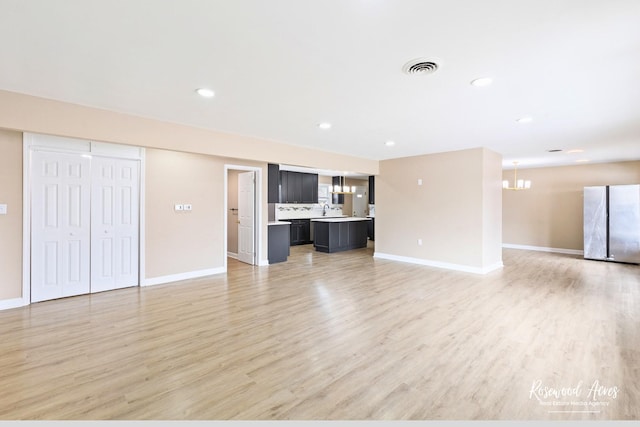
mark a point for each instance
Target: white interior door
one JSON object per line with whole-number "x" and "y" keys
{"x": 360, "y": 202}
{"x": 60, "y": 225}
{"x": 246, "y": 217}
{"x": 114, "y": 223}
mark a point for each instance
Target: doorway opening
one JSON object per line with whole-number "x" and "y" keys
{"x": 242, "y": 214}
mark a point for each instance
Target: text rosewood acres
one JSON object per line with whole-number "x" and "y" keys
{"x": 596, "y": 392}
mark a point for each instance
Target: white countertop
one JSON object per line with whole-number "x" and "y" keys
{"x": 278, "y": 223}
{"x": 315, "y": 217}
{"x": 340, "y": 219}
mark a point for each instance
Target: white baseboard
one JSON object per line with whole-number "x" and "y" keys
{"x": 263, "y": 263}
{"x": 544, "y": 249}
{"x": 12, "y": 303}
{"x": 232, "y": 255}
{"x": 439, "y": 264}
{"x": 182, "y": 276}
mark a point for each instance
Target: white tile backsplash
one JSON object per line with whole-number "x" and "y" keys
{"x": 301, "y": 211}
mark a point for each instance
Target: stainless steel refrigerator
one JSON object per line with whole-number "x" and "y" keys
{"x": 612, "y": 223}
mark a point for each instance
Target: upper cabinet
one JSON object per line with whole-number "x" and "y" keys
{"x": 338, "y": 199}
{"x": 292, "y": 187}
{"x": 273, "y": 183}
{"x": 309, "y": 188}
{"x": 372, "y": 190}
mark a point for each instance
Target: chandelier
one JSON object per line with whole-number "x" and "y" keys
{"x": 518, "y": 184}
{"x": 343, "y": 188}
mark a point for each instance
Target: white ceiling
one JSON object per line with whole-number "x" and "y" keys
{"x": 280, "y": 67}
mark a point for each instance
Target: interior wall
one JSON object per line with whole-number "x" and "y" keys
{"x": 29, "y": 113}
{"x": 550, "y": 214}
{"x": 183, "y": 242}
{"x": 11, "y": 224}
{"x": 492, "y": 209}
{"x": 232, "y": 216}
{"x": 325, "y": 179}
{"x": 447, "y": 211}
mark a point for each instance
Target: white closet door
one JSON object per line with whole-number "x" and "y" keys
{"x": 60, "y": 225}
{"x": 114, "y": 223}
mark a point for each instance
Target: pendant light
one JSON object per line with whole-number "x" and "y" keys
{"x": 342, "y": 188}
{"x": 518, "y": 184}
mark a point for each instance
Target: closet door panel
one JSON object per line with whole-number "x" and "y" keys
{"x": 60, "y": 225}
{"x": 114, "y": 231}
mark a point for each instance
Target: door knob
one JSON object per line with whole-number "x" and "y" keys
{"x": 238, "y": 221}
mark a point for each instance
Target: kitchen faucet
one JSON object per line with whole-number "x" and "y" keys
{"x": 324, "y": 209}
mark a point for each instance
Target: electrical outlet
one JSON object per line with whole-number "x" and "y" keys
{"x": 419, "y": 181}
{"x": 178, "y": 207}
{"x": 419, "y": 242}
{"x": 188, "y": 207}
{"x": 3, "y": 209}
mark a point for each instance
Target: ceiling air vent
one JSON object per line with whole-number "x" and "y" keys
{"x": 420, "y": 66}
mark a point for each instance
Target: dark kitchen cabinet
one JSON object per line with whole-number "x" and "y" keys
{"x": 298, "y": 187}
{"x": 371, "y": 229}
{"x": 278, "y": 242}
{"x": 309, "y": 188}
{"x": 293, "y": 186}
{"x": 337, "y": 199}
{"x": 273, "y": 184}
{"x": 340, "y": 236}
{"x": 372, "y": 190}
{"x": 300, "y": 231}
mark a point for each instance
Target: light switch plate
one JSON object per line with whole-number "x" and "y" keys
{"x": 179, "y": 207}
{"x": 3, "y": 209}
{"x": 188, "y": 207}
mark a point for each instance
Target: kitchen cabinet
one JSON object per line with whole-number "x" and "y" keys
{"x": 337, "y": 199}
{"x": 273, "y": 183}
{"x": 372, "y": 190}
{"x": 371, "y": 229}
{"x": 340, "y": 234}
{"x": 278, "y": 236}
{"x": 298, "y": 187}
{"x": 309, "y": 188}
{"x": 300, "y": 231}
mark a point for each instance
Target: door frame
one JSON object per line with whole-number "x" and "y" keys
{"x": 257, "y": 228}
{"x": 41, "y": 142}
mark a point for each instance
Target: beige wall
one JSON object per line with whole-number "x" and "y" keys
{"x": 453, "y": 212}
{"x": 182, "y": 242}
{"x": 324, "y": 179}
{"x": 29, "y": 113}
{"x": 492, "y": 208}
{"x": 11, "y": 224}
{"x": 232, "y": 216}
{"x": 549, "y": 215}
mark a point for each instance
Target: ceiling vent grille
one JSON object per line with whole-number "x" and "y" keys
{"x": 420, "y": 66}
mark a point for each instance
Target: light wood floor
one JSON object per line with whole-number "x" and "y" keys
{"x": 332, "y": 336}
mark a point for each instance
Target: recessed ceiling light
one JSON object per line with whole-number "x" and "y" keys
{"x": 577, "y": 150}
{"x": 482, "y": 81}
{"x": 390, "y": 143}
{"x": 582, "y": 160}
{"x": 205, "y": 93}
{"x": 325, "y": 125}
{"x": 525, "y": 119}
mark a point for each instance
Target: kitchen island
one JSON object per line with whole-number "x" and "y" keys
{"x": 340, "y": 234}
